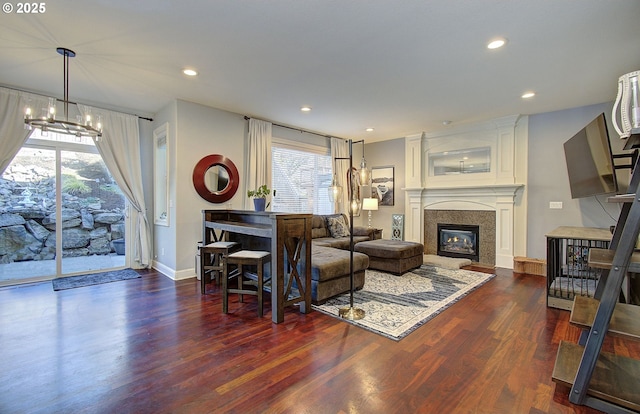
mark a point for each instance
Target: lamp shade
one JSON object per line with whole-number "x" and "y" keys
{"x": 370, "y": 204}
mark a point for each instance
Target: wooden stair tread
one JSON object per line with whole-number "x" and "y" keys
{"x": 602, "y": 259}
{"x": 615, "y": 378}
{"x": 621, "y": 198}
{"x": 625, "y": 320}
{"x": 633, "y": 141}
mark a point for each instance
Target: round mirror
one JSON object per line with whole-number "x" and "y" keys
{"x": 215, "y": 178}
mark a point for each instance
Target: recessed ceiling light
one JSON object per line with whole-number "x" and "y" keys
{"x": 446, "y": 122}
{"x": 189, "y": 72}
{"x": 497, "y": 43}
{"x": 369, "y": 129}
{"x": 305, "y": 108}
{"x": 528, "y": 95}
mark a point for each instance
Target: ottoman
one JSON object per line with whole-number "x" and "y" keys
{"x": 393, "y": 256}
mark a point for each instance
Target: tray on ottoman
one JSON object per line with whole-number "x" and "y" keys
{"x": 393, "y": 256}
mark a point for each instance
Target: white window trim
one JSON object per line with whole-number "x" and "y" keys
{"x": 300, "y": 146}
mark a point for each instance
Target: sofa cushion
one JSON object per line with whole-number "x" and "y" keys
{"x": 328, "y": 263}
{"x": 340, "y": 243}
{"x": 322, "y": 241}
{"x": 337, "y": 227}
{"x": 319, "y": 227}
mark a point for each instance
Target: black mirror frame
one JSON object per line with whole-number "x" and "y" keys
{"x": 200, "y": 170}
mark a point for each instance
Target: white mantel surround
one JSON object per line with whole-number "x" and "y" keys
{"x": 501, "y": 190}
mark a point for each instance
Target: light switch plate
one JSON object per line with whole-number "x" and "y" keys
{"x": 555, "y": 204}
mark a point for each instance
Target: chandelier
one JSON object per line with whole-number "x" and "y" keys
{"x": 83, "y": 127}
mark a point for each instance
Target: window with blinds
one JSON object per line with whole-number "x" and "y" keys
{"x": 300, "y": 174}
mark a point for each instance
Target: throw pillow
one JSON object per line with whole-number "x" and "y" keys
{"x": 337, "y": 227}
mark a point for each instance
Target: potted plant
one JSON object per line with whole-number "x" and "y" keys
{"x": 260, "y": 197}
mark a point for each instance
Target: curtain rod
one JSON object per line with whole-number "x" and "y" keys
{"x": 246, "y": 118}
{"x": 75, "y": 103}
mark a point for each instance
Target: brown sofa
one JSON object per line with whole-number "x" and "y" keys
{"x": 330, "y": 259}
{"x": 321, "y": 234}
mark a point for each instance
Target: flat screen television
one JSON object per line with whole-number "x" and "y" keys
{"x": 590, "y": 161}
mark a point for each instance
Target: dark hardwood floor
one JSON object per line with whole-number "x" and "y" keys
{"x": 152, "y": 345}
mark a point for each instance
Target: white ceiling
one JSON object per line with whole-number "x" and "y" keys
{"x": 401, "y": 67}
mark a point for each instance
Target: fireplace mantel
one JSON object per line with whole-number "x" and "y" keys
{"x": 497, "y": 189}
{"x": 498, "y": 198}
{"x": 467, "y": 193}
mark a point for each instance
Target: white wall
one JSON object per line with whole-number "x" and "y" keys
{"x": 195, "y": 131}
{"x": 548, "y": 180}
{"x": 384, "y": 154}
{"x": 164, "y": 247}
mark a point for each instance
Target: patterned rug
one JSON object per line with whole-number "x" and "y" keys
{"x": 397, "y": 305}
{"x": 93, "y": 279}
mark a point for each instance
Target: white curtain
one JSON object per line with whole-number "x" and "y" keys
{"x": 12, "y": 132}
{"x": 120, "y": 150}
{"x": 258, "y": 170}
{"x": 340, "y": 149}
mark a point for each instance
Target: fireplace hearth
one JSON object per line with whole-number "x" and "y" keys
{"x": 459, "y": 241}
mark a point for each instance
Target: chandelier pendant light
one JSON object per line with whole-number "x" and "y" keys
{"x": 48, "y": 121}
{"x": 335, "y": 190}
{"x": 365, "y": 173}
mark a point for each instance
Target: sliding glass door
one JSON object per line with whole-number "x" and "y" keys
{"x": 61, "y": 213}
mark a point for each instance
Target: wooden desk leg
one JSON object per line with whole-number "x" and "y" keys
{"x": 289, "y": 234}
{"x": 305, "y": 306}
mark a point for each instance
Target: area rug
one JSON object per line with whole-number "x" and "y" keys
{"x": 395, "y": 306}
{"x": 93, "y": 279}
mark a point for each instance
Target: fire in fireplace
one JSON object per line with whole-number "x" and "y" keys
{"x": 459, "y": 240}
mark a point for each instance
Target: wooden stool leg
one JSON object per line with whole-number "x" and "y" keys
{"x": 225, "y": 294}
{"x": 203, "y": 282}
{"x": 260, "y": 281}
{"x": 214, "y": 262}
{"x": 240, "y": 276}
{"x": 217, "y": 262}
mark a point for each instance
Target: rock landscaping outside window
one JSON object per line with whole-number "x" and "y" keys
{"x": 92, "y": 210}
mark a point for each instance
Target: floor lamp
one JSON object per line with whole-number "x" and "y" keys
{"x": 350, "y": 313}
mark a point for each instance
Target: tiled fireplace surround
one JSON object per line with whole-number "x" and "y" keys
{"x": 485, "y": 220}
{"x": 492, "y": 200}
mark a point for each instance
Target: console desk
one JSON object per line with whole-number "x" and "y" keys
{"x": 288, "y": 238}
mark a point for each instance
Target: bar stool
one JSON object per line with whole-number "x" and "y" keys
{"x": 244, "y": 258}
{"x": 217, "y": 253}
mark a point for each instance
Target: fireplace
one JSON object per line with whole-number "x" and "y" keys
{"x": 495, "y": 199}
{"x": 459, "y": 240}
{"x": 483, "y": 221}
